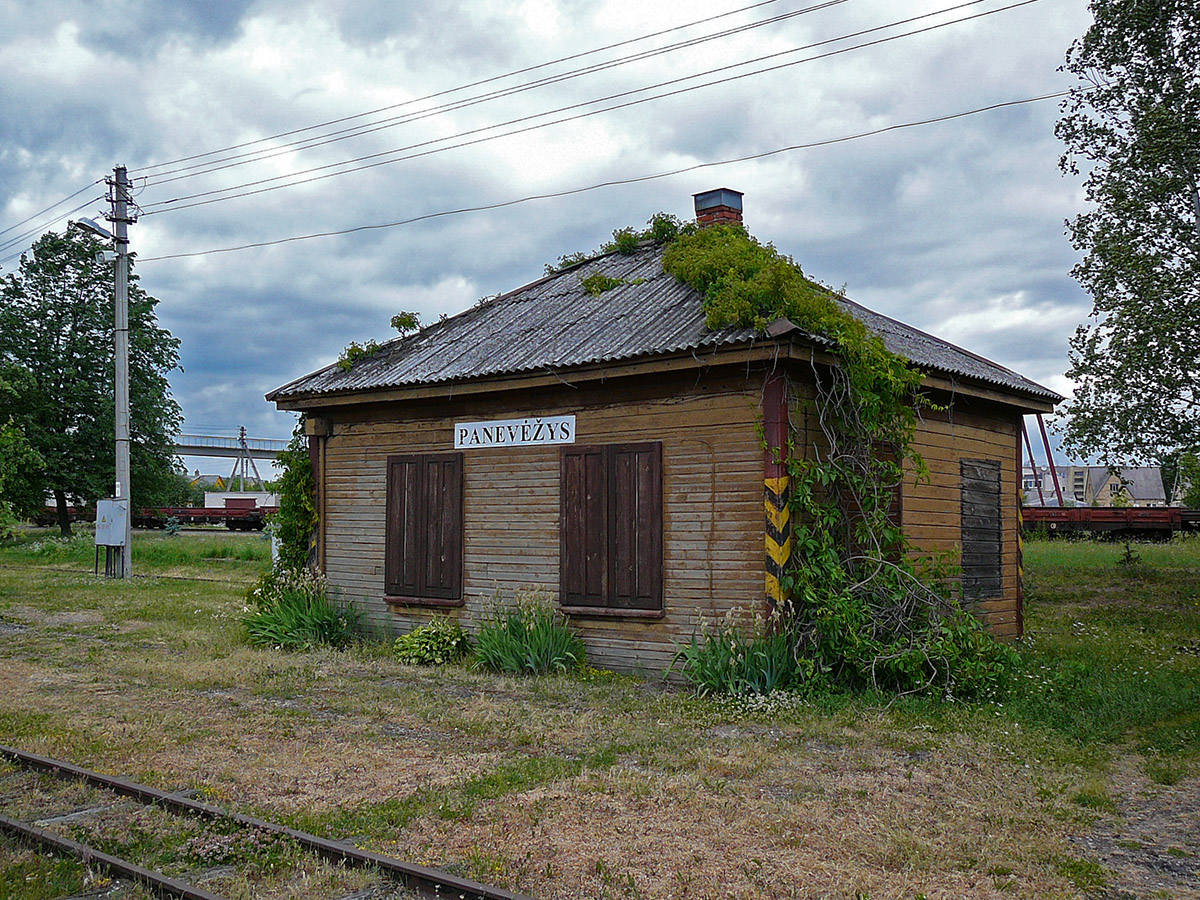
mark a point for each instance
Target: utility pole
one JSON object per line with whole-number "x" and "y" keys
{"x": 241, "y": 468}
{"x": 120, "y": 200}
{"x": 120, "y": 219}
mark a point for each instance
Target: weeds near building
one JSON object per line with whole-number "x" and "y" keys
{"x": 296, "y": 522}
{"x": 290, "y": 610}
{"x": 730, "y": 659}
{"x": 529, "y": 637}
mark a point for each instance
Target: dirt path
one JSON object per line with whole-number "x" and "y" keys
{"x": 1152, "y": 845}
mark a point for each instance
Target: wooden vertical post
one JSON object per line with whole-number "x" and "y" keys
{"x": 317, "y": 430}
{"x": 1021, "y": 433}
{"x": 776, "y": 486}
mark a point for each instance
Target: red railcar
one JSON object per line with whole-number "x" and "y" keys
{"x": 235, "y": 518}
{"x": 1128, "y": 520}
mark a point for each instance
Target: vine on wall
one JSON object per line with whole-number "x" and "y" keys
{"x": 296, "y": 522}
{"x": 864, "y": 614}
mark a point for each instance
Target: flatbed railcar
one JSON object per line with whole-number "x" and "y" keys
{"x": 1126, "y": 521}
{"x": 234, "y": 518}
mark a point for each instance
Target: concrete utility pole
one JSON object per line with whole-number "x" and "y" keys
{"x": 120, "y": 199}
{"x": 120, "y": 219}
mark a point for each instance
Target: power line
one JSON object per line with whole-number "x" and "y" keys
{"x": 170, "y": 205}
{"x": 618, "y": 182}
{"x": 21, "y": 239}
{"x": 462, "y": 87}
{"x": 52, "y": 205}
{"x": 46, "y": 222}
{"x": 344, "y": 134}
{"x": 375, "y": 156}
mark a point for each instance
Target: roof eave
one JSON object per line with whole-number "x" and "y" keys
{"x": 700, "y": 357}
{"x": 783, "y": 340}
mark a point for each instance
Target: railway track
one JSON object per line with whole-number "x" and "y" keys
{"x": 59, "y": 802}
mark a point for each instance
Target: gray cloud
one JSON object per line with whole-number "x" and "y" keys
{"x": 956, "y": 228}
{"x": 138, "y": 28}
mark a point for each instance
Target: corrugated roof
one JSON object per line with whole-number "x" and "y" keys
{"x": 555, "y": 323}
{"x": 934, "y": 354}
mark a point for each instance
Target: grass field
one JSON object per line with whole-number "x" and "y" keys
{"x": 1084, "y": 782}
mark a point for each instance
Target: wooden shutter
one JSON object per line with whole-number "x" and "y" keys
{"x": 583, "y": 527}
{"x": 442, "y": 557}
{"x": 981, "y": 528}
{"x": 423, "y": 556}
{"x": 403, "y": 524}
{"x": 611, "y": 526}
{"x": 635, "y": 525}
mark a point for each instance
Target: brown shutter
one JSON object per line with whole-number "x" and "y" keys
{"x": 423, "y": 553}
{"x": 403, "y": 522}
{"x": 635, "y": 521}
{"x": 583, "y": 527}
{"x": 441, "y": 574}
{"x": 981, "y": 528}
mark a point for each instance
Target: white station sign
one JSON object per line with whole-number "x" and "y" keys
{"x": 533, "y": 431}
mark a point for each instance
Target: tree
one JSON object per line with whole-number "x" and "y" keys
{"x": 1187, "y": 475}
{"x": 56, "y": 345}
{"x": 18, "y": 461}
{"x": 1134, "y": 127}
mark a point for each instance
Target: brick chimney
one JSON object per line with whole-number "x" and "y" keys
{"x": 719, "y": 207}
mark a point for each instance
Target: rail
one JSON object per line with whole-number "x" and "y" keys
{"x": 428, "y": 881}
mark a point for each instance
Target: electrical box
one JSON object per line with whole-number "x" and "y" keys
{"x": 111, "y": 519}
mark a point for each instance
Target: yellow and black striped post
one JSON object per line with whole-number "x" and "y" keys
{"x": 779, "y": 536}
{"x": 776, "y": 487}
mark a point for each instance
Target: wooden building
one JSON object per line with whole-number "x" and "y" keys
{"x": 606, "y": 448}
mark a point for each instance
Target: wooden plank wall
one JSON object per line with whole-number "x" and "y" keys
{"x": 712, "y": 509}
{"x": 932, "y": 510}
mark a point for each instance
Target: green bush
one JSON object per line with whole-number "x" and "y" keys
{"x": 438, "y": 641}
{"x": 290, "y": 610}
{"x": 530, "y": 638}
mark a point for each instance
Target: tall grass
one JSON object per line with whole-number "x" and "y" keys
{"x": 183, "y": 550}
{"x": 151, "y": 551}
{"x": 1112, "y": 652}
{"x": 529, "y": 638}
{"x": 727, "y": 661}
{"x": 292, "y": 611}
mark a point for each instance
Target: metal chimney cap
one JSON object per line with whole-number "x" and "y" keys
{"x": 718, "y": 197}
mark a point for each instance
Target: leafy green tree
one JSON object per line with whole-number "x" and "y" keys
{"x": 18, "y": 462}
{"x": 1188, "y": 473}
{"x": 1133, "y": 128}
{"x": 20, "y": 465}
{"x": 56, "y": 340}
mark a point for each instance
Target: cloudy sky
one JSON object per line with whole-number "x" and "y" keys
{"x": 956, "y": 227}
